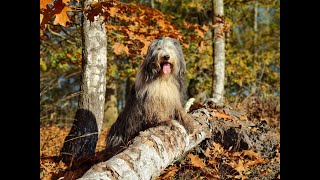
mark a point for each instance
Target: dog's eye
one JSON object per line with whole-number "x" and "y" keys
{"x": 159, "y": 48}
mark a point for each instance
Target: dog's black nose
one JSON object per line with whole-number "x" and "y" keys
{"x": 166, "y": 57}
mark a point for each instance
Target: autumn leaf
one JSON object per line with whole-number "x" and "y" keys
{"x": 62, "y": 18}
{"x": 250, "y": 153}
{"x": 240, "y": 167}
{"x": 217, "y": 148}
{"x": 124, "y": 17}
{"x": 212, "y": 161}
{"x": 205, "y": 28}
{"x": 118, "y": 48}
{"x": 161, "y": 23}
{"x": 43, "y": 3}
{"x": 43, "y": 65}
{"x": 113, "y": 11}
{"x": 220, "y": 115}
{"x": 186, "y": 45}
{"x": 196, "y": 161}
{"x": 170, "y": 172}
{"x": 145, "y": 47}
{"x": 208, "y": 152}
{"x": 199, "y": 33}
{"x": 65, "y": 1}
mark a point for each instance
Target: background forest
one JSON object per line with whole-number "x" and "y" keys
{"x": 252, "y": 69}
{"x": 252, "y": 54}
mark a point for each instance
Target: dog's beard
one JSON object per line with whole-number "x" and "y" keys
{"x": 160, "y": 98}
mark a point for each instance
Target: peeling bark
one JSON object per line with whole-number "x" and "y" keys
{"x": 156, "y": 148}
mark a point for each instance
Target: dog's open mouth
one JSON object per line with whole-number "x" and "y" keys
{"x": 166, "y": 67}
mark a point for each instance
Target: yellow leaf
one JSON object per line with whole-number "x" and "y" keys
{"x": 43, "y": 3}
{"x": 43, "y": 65}
{"x": 62, "y": 18}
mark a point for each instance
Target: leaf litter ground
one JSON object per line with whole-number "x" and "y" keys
{"x": 210, "y": 160}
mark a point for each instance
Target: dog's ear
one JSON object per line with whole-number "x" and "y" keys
{"x": 182, "y": 62}
{"x": 182, "y": 68}
{"x": 149, "y": 65}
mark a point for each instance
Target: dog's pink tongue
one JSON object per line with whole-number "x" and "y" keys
{"x": 166, "y": 68}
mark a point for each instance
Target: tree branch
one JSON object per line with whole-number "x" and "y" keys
{"x": 57, "y": 34}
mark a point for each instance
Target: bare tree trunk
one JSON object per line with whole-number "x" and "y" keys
{"x": 82, "y": 138}
{"x": 218, "y": 52}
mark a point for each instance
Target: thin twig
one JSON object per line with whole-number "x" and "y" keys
{"x": 57, "y": 34}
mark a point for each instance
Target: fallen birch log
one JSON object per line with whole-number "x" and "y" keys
{"x": 156, "y": 148}
{"x": 152, "y": 151}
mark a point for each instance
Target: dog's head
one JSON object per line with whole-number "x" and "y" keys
{"x": 164, "y": 58}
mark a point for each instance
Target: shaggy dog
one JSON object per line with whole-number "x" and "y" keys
{"x": 157, "y": 95}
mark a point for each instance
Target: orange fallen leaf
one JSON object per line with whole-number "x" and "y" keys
{"x": 170, "y": 172}
{"x": 208, "y": 152}
{"x": 240, "y": 167}
{"x": 196, "y": 161}
{"x": 251, "y": 153}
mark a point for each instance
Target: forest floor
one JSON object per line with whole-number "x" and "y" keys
{"x": 207, "y": 161}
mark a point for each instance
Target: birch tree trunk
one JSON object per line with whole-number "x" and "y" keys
{"x": 82, "y": 138}
{"x": 218, "y": 52}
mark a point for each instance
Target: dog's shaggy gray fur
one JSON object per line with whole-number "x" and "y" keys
{"x": 157, "y": 95}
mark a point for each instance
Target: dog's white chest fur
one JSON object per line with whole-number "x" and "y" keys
{"x": 162, "y": 98}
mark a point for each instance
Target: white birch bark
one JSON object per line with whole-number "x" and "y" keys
{"x": 218, "y": 53}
